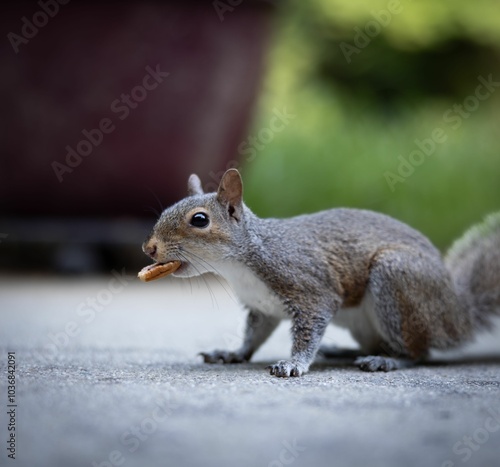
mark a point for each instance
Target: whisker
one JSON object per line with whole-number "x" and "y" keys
{"x": 153, "y": 210}
{"x": 157, "y": 199}
{"x": 176, "y": 254}
{"x": 218, "y": 275}
{"x": 215, "y": 304}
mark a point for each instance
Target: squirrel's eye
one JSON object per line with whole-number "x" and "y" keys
{"x": 200, "y": 220}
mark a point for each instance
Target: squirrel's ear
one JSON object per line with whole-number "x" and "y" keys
{"x": 230, "y": 193}
{"x": 194, "y": 185}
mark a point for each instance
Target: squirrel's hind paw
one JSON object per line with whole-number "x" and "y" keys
{"x": 284, "y": 369}
{"x": 379, "y": 363}
{"x": 222, "y": 356}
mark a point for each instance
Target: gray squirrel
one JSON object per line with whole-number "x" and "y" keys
{"x": 367, "y": 272}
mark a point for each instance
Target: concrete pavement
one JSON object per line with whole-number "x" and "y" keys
{"x": 107, "y": 374}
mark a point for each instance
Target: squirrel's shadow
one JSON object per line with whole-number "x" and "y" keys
{"x": 324, "y": 364}
{"x": 470, "y": 360}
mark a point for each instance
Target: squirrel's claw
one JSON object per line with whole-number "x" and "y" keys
{"x": 380, "y": 363}
{"x": 284, "y": 369}
{"x": 222, "y": 356}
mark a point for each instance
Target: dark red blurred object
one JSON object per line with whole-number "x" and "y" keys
{"x": 72, "y": 77}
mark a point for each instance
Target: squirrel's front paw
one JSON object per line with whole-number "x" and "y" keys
{"x": 284, "y": 369}
{"x": 379, "y": 363}
{"x": 222, "y": 356}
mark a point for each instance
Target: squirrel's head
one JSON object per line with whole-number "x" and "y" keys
{"x": 200, "y": 229}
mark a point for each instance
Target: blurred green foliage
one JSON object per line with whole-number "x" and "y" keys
{"x": 356, "y": 120}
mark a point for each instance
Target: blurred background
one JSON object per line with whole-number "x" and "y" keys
{"x": 107, "y": 107}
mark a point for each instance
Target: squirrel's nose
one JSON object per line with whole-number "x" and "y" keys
{"x": 149, "y": 249}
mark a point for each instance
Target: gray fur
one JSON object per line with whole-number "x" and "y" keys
{"x": 379, "y": 277}
{"x": 474, "y": 263}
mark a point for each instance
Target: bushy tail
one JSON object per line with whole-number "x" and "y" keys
{"x": 474, "y": 264}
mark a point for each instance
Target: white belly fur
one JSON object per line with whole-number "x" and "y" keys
{"x": 250, "y": 290}
{"x": 253, "y": 293}
{"x": 362, "y": 323}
